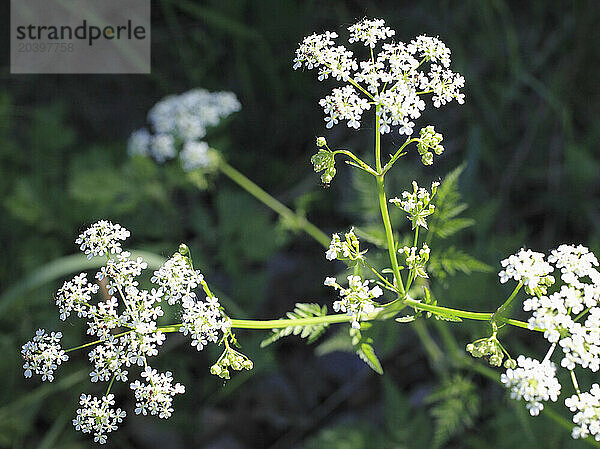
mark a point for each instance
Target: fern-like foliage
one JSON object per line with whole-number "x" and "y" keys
{"x": 364, "y": 348}
{"x": 446, "y": 222}
{"x": 310, "y": 332}
{"x": 455, "y": 407}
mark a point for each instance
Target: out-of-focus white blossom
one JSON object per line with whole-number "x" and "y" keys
{"x": 194, "y": 155}
{"x": 178, "y": 122}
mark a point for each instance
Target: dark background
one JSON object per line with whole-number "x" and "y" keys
{"x": 527, "y": 134}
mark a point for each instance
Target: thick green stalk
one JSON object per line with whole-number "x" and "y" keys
{"x": 285, "y": 212}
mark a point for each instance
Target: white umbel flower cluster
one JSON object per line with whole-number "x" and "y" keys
{"x": 392, "y": 80}
{"x": 178, "y": 279}
{"x": 587, "y": 413}
{"x": 155, "y": 395}
{"x": 97, "y": 416}
{"x": 569, "y": 318}
{"x": 203, "y": 321}
{"x": 357, "y": 299}
{"x": 417, "y": 204}
{"x": 102, "y": 238}
{"x": 533, "y": 381}
{"x": 124, "y": 323}
{"x": 528, "y": 267}
{"x": 75, "y": 296}
{"x": 178, "y": 123}
{"x": 43, "y": 354}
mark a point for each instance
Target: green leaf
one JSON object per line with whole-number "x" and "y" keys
{"x": 456, "y": 405}
{"x": 367, "y": 354}
{"x": 452, "y": 260}
{"x": 364, "y": 349}
{"x": 311, "y": 332}
{"x": 406, "y": 319}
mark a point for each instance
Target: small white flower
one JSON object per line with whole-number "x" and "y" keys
{"x": 43, "y": 354}
{"x": 177, "y": 279}
{"x": 75, "y": 295}
{"x": 533, "y": 381}
{"x": 417, "y": 204}
{"x": 203, "y": 320}
{"x": 369, "y": 32}
{"x": 102, "y": 238}
{"x": 96, "y": 415}
{"x": 528, "y": 267}
{"x": 348, "y": 249}
{"x": 393, "y": 80}
{"x": 587, "y": 416}
{"x": 357, "y": 299}
{"x": 156, "y": 396}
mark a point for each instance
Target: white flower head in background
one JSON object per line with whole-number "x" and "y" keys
{"x": 177, "y": 125}
{"x": 392, "y": 81}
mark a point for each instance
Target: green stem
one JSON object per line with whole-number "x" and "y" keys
{"x": 396, "y": 155}
{"x": 506, "y": 305}
{"x": 96, "y": 342}
{"x": 359, "y": 161}
{"x": 285, "y": 212}
{"x": 385, "y": 215}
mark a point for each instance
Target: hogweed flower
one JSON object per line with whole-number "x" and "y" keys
{"x": 102, "y": 238}
{"x": 530, "y": 268}
{"x": 76, "y": 295}
{"x": 125, "y": 323}
{"x": 43, "y": 354}
{"x": 203, "y": 321}
{"x": 392, "y": 80}
{"x": 177, "y": 279}
{"x": 587, "y": 416}
{"x": 533, "y": 381}
{"x": 357, "y": 299}
{"x": 97, "y": 416}
{"x": 417, "y": 204}
{"x": 156, "y": 396}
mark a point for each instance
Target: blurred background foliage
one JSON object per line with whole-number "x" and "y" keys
{"x": 526, "y": 140}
